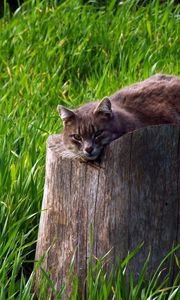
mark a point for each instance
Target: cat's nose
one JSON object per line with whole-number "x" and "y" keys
{"x": 88, "y": 149}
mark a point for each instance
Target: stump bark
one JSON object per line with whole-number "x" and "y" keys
{"x": 132, "y": 196}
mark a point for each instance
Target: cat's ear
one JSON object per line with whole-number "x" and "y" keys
{"x": 104, "y": 107}
{"x": 66, "y": 114}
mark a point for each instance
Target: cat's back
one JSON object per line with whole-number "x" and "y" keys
{"x": 159, "y": 94}
{"x": 156, "y": 86}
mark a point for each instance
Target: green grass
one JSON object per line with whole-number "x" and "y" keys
{"x": 119, "y": 283}
{"x": 64, "y": 54}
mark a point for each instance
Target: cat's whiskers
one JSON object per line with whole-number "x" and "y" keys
{"x": 69, "y": 154}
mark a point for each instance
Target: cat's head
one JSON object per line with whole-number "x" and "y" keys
{"x": 87, "y": 130}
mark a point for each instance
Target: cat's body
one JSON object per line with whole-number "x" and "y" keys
{"x": 89, "y": 128}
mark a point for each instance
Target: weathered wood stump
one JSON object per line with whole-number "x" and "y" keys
{"x": 132, "y": 196}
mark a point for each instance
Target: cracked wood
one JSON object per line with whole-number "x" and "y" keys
{"x": 132, "y": 196}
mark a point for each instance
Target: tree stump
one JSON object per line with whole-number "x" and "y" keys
{"x": 132, "y": 196}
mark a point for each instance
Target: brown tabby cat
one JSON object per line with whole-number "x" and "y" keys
{"x": 88, "y": 129}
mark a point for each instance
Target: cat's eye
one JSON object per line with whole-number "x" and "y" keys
{"x": 97, "y": 133}
{"x": 77, "y": 137}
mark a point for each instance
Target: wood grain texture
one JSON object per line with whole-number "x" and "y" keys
{"x": 132, "y": 196}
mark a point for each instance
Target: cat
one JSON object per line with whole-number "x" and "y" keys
{"x": 88, "y": 129}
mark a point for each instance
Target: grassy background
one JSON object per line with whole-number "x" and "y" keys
{"x": 63, "y": 54}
